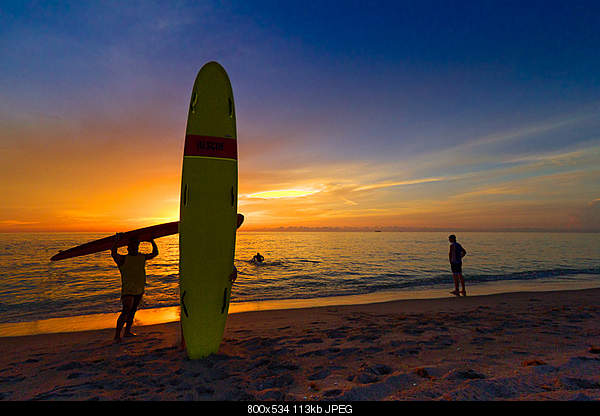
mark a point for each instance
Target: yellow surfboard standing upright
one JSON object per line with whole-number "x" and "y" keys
{"x": 208, "y": 210}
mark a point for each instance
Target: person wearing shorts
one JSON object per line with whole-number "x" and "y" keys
{"x": 457, "y": 252}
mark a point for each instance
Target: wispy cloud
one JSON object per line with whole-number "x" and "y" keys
{"x": 558, "y": 140}
{"x": 17, "y": 222}
{"x": 587, "y": 153}
{"x": 283, "y": 193}
{"x": 399, "y": 183}
{"x": 531, "y": 130}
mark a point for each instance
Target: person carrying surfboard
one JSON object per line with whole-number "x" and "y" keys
{"x": 457, "y": 252}
{"x": 132, "y": 267}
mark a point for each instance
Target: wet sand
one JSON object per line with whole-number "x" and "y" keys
{"x": 537, "y": 346}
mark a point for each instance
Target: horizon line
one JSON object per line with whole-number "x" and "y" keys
{"x": 344, "y": 229}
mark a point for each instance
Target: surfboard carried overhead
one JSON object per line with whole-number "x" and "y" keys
{"x": 208, "y": 211}
{"x": 103, "y": 244}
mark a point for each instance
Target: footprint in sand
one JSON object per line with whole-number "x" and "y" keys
{"x": 310, "y": 341}
{"x": 319, "y": 375}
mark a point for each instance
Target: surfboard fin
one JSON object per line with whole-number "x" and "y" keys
{"x": 183, "y": 305}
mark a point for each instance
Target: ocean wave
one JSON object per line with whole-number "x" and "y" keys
{"x": 303, "y": 287}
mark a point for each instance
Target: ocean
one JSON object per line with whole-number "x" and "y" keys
{"x": 300, "y": 268}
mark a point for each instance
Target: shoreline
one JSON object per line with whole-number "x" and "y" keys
{"x": 511, "y": 346}
{"x": 159, "y": 315}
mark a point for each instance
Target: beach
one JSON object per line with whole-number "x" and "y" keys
{"x": 533, "y": 346}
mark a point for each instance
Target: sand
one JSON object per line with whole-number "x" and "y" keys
{"x": 540, "y": 346}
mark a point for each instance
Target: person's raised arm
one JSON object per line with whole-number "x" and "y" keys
{"x": 154, "y": 251}
{"x": 118, "y": 258}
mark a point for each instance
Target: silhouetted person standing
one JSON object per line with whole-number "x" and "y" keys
{"x": 457, "y": 252}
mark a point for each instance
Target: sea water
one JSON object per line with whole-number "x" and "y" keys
{"x": 302, "y": 268}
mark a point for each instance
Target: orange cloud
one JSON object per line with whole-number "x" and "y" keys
{"x": 283, "y": 193}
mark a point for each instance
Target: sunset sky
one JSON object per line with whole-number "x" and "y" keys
{"x": 389, "y": 115}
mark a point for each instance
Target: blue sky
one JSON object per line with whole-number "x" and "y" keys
{"x": 413, "y": 103}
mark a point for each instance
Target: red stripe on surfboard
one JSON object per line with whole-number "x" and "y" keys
{"x": 208, "y": 146}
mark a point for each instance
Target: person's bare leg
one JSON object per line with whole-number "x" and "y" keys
{"x": 120, "y": 323}
{"x": 455, "y": 277}
{"x": 127, "y": 302}
{"x": 134, "y": 305}
{"x": 462, "y": 283}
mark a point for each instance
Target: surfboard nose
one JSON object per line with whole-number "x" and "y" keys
{"x": 212, "y": 107}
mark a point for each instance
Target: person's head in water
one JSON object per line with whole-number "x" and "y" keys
{"x": 452, "y": 238}
{"x": 133, "y": 247}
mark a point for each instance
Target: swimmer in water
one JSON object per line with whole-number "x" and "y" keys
{"x": 258, "y": 258}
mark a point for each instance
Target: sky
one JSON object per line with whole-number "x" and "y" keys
{"x": 400, "y": 115}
